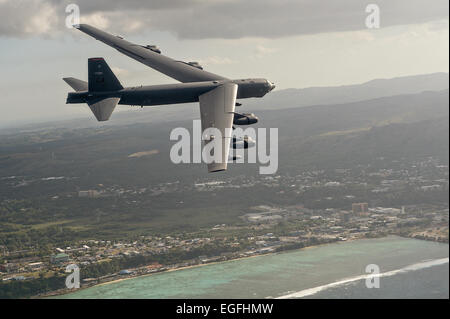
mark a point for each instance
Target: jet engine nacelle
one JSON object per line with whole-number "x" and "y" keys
{"x": 195, "y": 65}
{"x": 246, "y": 142}
{"x": 153, "y": 48}
{"x": 244, "y": 119}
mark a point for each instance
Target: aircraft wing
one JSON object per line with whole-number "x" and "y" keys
{"x": 178, "y": 70}
{"x": 217, "y": 110}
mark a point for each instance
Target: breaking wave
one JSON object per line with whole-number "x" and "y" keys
{"x": 413, "y": 267}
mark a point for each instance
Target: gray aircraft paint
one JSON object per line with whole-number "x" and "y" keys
{"x": 172, "y": 93}
{"x": 217, "y": 95}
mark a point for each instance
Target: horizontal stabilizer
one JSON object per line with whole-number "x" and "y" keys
{"x": 77, "y": 85}
{"x": 103, "y": 109}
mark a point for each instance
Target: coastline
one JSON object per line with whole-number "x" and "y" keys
{"x": 67, "y": 291}
{"x": 180, "y": 268}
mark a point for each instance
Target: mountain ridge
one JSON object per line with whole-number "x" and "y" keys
{"x": 287, "y": 98}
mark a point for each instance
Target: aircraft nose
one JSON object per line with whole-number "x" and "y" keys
{"x": 271, "y": 85}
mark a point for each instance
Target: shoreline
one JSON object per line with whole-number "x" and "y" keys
{"x": 179, "y": 268}
{"x": 66, "y": 291}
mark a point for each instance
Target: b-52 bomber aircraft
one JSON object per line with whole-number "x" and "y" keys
{"x": 217, "y": 95}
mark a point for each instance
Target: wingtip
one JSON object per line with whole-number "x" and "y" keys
{"x": 82, "y": 27}
{"x": 217, "y": 167}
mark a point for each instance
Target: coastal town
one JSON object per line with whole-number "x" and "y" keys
{"x": 261, "y": 229}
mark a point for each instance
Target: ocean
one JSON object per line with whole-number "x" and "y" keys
{"x": 408, "y": 268}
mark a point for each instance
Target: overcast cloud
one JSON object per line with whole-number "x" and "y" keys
{"x": 295, "y": 44}
{"x": 200, "y": 19}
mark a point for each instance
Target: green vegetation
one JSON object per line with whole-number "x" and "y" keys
{"x": 402, "y": 138}
{"x": 23, "y": 289}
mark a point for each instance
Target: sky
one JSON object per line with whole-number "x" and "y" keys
{"x": 295, "y": 44}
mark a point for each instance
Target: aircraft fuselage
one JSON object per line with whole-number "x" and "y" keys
{"x": 173, "y": 93}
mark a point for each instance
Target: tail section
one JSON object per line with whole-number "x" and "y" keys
{"x": 101, "y": 92}
{"x": 103, "y": 109}
{"x": 101, "y": 78}
{"x": 77, "y": 85}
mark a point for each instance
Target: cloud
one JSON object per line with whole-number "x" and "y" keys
{"x": 34, "y": 17}
{"x": 199, "y": 19}
{"x": 261, "y": 51}
{"x": 215, "y": 60}
{"x": 120, "y": 72}
{"x": 97, "y": 18}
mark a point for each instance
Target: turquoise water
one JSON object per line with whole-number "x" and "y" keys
{"x": 281, "y": 274}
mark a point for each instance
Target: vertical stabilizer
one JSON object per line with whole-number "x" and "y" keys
{"x": 100, "y": 77}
